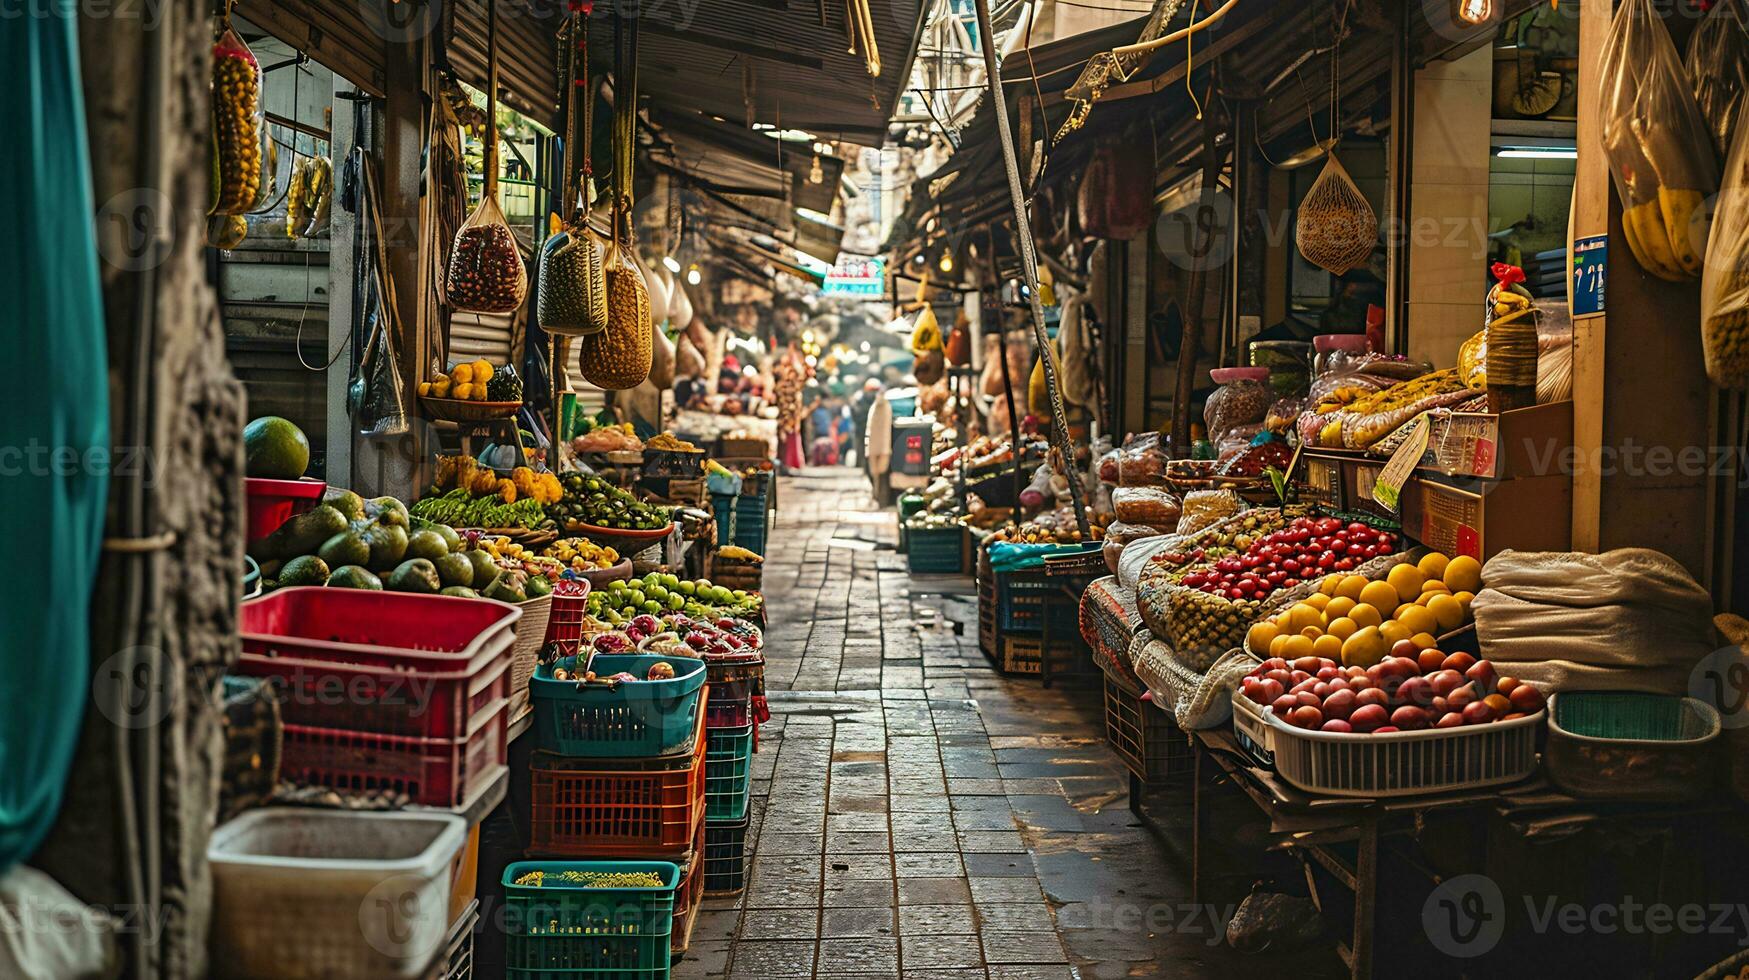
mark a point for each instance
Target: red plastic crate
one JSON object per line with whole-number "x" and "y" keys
{"x": 381, "y": 699}
{"x": 649, "y": 809}
{"x": 359, "y": 626}
{"x": 565, "y": 622}
{"x": 731, "y": 704}
{"x": 431, "y": 771}
{"x": 687, "y": 899}
{"x": 273, "y": 502}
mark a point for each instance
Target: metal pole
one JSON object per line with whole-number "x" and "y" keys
{"x": 1029, "y": 272}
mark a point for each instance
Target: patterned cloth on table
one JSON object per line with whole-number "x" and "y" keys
{"x": 1109, "y": 622}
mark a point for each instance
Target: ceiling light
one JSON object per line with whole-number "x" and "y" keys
{"x": 1538, "y": 152}
{"x": 1473, "y": 12}
{"x": 692, "y": 276}
{"x": 865, "y": 347}
{"x": 673, "y": 266}
{"x": 946, "y": 263}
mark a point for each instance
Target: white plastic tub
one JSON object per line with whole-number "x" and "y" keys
{"x": 303, "y": 894}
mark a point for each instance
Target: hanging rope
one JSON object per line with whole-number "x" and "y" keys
{"x": 491, "y": 185}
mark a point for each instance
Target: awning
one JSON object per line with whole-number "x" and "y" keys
{"x": 346, "y": 38}
{"x": 528, "y": 51}
{"x": 730, "y": 159}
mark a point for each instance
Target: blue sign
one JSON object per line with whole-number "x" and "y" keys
{"x": 857, "y": 276}
{"x": 1590, "y": 274}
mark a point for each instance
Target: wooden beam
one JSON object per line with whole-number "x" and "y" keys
{"x": 1589, "y": 216}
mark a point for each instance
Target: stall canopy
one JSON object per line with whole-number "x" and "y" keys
{"x": 528, "y": 52}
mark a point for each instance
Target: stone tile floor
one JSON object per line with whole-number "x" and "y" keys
{"x": 916, "y": 814}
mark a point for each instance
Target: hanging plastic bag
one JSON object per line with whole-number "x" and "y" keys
{"x": 485, "y": 263}
{"x": 926, "y": 333}
{"x": 661, "y": 287}
{"x": 268, "y": 186}
{"x": 662, "y": 358}
{"x": 571, "y": 290}
{"x": 679, "y": 307}
{"x": 1336, "y": 229}
{"x": 238, "y": 124}
{"x": 1724, "y": 289}
{"x": 309, "y": 195}
{"x": 1658, "y": 148}
{"x": 1718, "y": 70}
{"x": 1115, "y": 199}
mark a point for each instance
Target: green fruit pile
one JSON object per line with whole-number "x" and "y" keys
{"x": 657, "y": 593}
{"x": 592, "y": 500}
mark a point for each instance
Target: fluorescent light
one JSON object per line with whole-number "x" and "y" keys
{"x": 1538, "y": 153}
{"x": 816, "y": 217}
{"x": 673, "y": 266}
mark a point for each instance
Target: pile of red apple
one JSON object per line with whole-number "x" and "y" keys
{"x": 1405, "y": 692}
{"x": 1306, "y": 549}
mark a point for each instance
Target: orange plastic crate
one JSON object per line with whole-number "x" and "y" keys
{"x": 646, "y": 809}
{"x": 688, "y": 897}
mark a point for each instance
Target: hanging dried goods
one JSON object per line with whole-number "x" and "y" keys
{"x": 571, "y": 295}
{"x": 237, "y": 126}
{"x": 485, "y": 266}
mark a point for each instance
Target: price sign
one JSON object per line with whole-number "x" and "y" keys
{"x": 1388, "y": 488}
{"x": 1590, "y": 273}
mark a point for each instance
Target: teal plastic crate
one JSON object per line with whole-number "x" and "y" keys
{"x": 636, "y": 719}
{"x": 555, "y": 930}
{"x": 725, "y": 857}
{"x": 750, "y": 523}
{"x": 728, "y": 770}
{"x": 935, "y": 550}
{"x": 909, "y": 505}
{"x": 1626, "y": 715}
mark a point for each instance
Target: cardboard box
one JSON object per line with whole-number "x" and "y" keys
{"x": 1482, "y": 518}
{"x": 1528, "y": 442}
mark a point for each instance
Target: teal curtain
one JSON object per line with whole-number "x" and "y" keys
{"x": 54, "y": 433}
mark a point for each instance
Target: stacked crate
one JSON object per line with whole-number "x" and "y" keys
{"x": 737, "y": 684}
{"x": 618, "y": 775}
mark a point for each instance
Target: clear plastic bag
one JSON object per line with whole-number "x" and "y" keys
{"x": 1108, "y": 467}
{"x": 1336, "y": 228}
{"x": 1658, "y": 148}
{"x": 1283, "y": 413}
{"x": 1206, "y": 508}
{"x": 1724, "y": 289}
{"x": 309, "y": 197}
{"x": 1142, "y": 462}
{"x": 1241, "y": 401}
{"x": 1150, "y": 506}
{"x": 571, "y": 292}
{"x": 486, "y": 274}
{"x": 1718, "y": 69}
{"x": 239, "y": 126}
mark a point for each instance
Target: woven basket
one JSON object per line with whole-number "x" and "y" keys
{"x": 457, "y": 410}
{"x": 531, "y": 633}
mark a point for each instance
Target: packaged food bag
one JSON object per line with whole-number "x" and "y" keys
{"x": 1718, "y": 69}
{"x": 1724, "y": 289}
{"x": 239, "y": 126}
{"x": 485, "y": 265}
{"x": 1658, "y": 148}
{"x": 571, "y": 291}
{"x": 619, "y": 357}
{"x": 1336, "y": 228}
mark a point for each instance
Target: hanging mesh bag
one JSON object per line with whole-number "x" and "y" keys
{"x": 1336, "y": 228}
{"x": 238, "y": 126}
{"x": 571, "y": 293}
{"x": 1724, "y": 286}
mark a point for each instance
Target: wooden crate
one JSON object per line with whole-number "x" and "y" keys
{"x": 1019, "y": 654}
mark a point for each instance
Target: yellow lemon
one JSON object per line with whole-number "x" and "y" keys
{"x": 1302, "y": 616}
{"x": 1417, "y": 619}
{"x": 1338, "y": 608}
{"x": 1434, "y": 585}
{"x": 1297, "y": 647}
{"x": 1343, "y": 628}
{"x": 1466, "y": 598}
{"x": 1407, "y": 580}
{"x": 1317, "y": 600}
{"x": 1328, "y": 586}
{"x": 1328, "y": 647}
{"x": 1394, "y": 631}
{"x": 1278, "y": 646}
{"x": 1381, "y": 596}
{"x": 1432, "y": 565}
{"x": 1351, "y": 587}
{"x": 1464, "y": 574}
{"x": 1259, "y": 637}
{"x": 1365, "y": 648}
{"x": 1365, "y": 615}
{"x": 1448, "y": 611}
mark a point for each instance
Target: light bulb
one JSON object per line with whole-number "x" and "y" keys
{"x": 865, "y": 347}
{"x": 1475, "y": 12}
{"x": 673, "y": 266}
{"x": 946, "y": 263}
{"x": 692, "y": 276}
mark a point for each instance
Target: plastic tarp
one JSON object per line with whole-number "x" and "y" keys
{"x": 54, "y": 443}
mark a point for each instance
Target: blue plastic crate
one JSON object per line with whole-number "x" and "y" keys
{"x": 727, "y": 513}
{"x": 935, "y": 550}
{"x": 728, "y": 768}
{"x": 632, "y": 720}
{"x": 1020, "y": 604}
{"x": 725, "y": 857}
{"x": 558, "y": 930}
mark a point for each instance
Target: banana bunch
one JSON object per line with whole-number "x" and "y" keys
{"x": 1662, "y": 233}
{"x": 738, "y": 553}
{"x": 582, "y": 554}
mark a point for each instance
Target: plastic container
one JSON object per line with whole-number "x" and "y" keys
{"x": 439, "y": 772}
{"x": 674, "y": 464}
{"x": 688, "y": 896}
{"x": 731, "y": 702}
{"x": 1628, "y": 745}
{"x": 332, "y": 893}
{"x": 1332, "y": 351}
{"x": 315, "y": 622}
{"x": 565, "y": 619}
{"x": 724, "y": 506}
{"x": 1250, "y": 730}
{"x": 935, "y": 550}
{"x": 1401, "y": 763}
{"x": 458, "y": 953}
{"x": 273, "y": 502}
{"x": 728, "y": 773}
{"x": 389, "y": 700}
{"x": 555, "y": 930}
{"x": 639, "y": 719}
{"x": 725, "y": 857}
{"x": 638, "y": 807}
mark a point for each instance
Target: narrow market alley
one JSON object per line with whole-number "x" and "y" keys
{"x": 916, "y": 814}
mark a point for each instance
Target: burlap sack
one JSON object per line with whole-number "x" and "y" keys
{"x": 1630, "y": 620}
